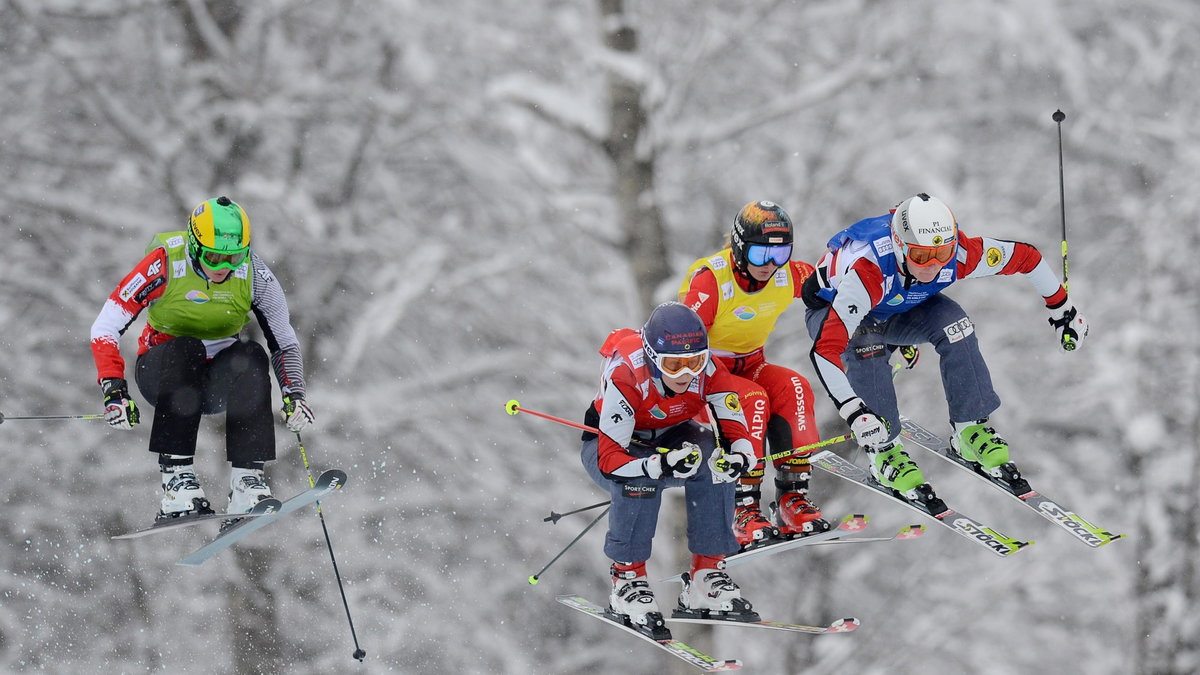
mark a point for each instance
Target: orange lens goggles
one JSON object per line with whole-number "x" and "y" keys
{"x": 927, "y": 256}
{"x": 677, "y": 365}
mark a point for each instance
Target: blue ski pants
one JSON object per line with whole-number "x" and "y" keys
{"x": 633, "y": 516}
{"x": 939, "y": 321}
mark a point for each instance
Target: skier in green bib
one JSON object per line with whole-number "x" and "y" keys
{"x": 199, "y": 287}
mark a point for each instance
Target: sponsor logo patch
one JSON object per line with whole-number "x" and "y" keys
{"x": 959, "y": 329}
{"x": 744, "y": 313}
{"x": 131, "y": 287}
{"x": 198, "y": 297}
{"x": 993, "y": 256}
{"x": 868, "y": 351}
{"x": 732, "y": 402}
{"x": 639, "y": 491}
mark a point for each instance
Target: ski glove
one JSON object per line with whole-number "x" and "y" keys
{"x": 682, "y": 462}
{"x": 119, "y": 409}
{"x": 910, "y": 354}
{"x": 728, "y": 466}
{"x": 1069, "y": 324}
{"x": 296, "y": 413}
{"x": 869, "y": 429}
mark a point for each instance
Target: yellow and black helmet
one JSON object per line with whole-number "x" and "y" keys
{"x": 219, "y": 234}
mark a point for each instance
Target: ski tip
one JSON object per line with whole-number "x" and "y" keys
{"x": 727, "y": 665}
{"x": 854, "y": 522}
{"x": 843, "y": 625}
{"x": 911, "y": 532}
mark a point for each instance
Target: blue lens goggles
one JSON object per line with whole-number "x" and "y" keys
{"x": 759, "y": 255}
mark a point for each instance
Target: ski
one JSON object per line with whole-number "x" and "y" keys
{"x": 855, "y": 522}
{"x": 328, "y": 482}
{"x": 839, "y": 626}
{"x": 1014, "y": 485}
{"x": 265, "y": 507}
{"x": 673, "y": 647}
{"x": 991, "y": 539}
{"x": 904, "y": 534}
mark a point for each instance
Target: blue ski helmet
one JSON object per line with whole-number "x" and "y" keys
{"x": 675, "y": 340}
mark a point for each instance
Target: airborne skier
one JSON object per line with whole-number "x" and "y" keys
{"x": 879, "y": 284}
{"x": 199, "y": 287}
{"x": 654, "y": 382}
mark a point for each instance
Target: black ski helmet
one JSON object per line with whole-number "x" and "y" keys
{"x": 673, "y": 329}
{"x": 759, "y": 222}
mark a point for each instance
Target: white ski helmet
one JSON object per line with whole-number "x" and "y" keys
{"x": 924, "y": 231}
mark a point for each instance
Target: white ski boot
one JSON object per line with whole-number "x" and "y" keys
{"x": 247, "y": 487}
{"x": 633, "y": 602}
{"x": 711, "y": 594}
{"x": 182, "y": 494}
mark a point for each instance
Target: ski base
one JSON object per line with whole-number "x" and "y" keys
{"x": 991, "y": 539}
{"x": 263, "y": 508}
{"x": 1017, "y": 488}
{"x": 328, "y": 482}
{"x": 672, "y": 646}
{"x": 839, "y": 626}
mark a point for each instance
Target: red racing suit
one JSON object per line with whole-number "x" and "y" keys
{"x": 631, "y": 400}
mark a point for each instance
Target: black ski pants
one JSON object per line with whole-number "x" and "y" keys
{"x": 182, "y": 384}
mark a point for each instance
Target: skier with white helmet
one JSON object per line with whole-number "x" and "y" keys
{"x": 655, "y": 381}
{"x": 199, "y": 287}
{"x": 880, "y": 285}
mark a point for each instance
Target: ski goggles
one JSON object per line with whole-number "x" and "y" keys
{"x": 928, "y": 256}
{"x": 677, "y": 365}
{"x": 223, "y": 260}
{"x": 759, "y": 254}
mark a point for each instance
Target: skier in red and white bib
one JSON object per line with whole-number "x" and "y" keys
{"x": 655, "y": 382}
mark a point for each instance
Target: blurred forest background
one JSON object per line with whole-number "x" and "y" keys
{"x": 463, "y": 198}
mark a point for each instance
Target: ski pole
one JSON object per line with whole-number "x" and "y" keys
{"x": 514, "y": 406}
{"x": 1058, "y": 118}
{"x": 807, "y": 448}
{"x": 51, "y": 417}
{"x": 533, "y": 579}
{"x": 359, "y": 652}
{"x": 553, "y": 517}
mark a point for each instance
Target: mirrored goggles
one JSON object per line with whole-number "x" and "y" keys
{"x": 927, "y": 256}
{"x": 223, "y": 260}
{"x": 760, "y": 254}
{"x": 676, "y": 365}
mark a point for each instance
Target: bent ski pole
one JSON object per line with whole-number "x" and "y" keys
{"x": 359, "y": 652}
{"x": 533, "y": 579}
{"x": 97, "y": 416}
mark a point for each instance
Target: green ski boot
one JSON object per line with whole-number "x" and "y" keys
{"x": 892, "y": 467}
{"x": 979, "y": 443}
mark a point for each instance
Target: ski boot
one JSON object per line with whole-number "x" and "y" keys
{"x": 792, "y": 512}
{"x": 182, "y": 494}
{"x": 981, "y": 445}
{"x": 709, "y": 593}
{"x": 750, "y": 526}
{"x": 247, "y": 487}
{"x": 894, "y": 469}
{"x": 632, "y": 602}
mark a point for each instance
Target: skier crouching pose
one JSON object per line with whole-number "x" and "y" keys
{"x": 654, "y": 383}
{"x": 200, "y": 286}
{"x": 881, "y": 284}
